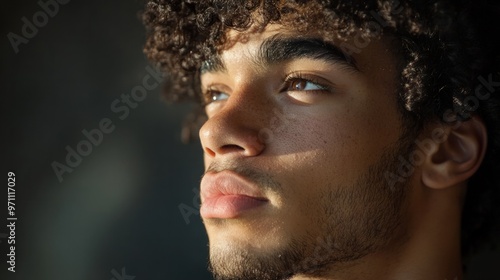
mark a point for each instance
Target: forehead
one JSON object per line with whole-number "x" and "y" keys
{"x": 277, "y": 43}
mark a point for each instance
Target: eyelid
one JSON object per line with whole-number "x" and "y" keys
{"x": 322, "y": 82}
{"x": 208, "y": 91}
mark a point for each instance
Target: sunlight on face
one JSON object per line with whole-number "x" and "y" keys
{"x": 312, "y": 192}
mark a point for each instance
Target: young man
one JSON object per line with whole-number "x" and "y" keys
{"x": 345, "y": 139}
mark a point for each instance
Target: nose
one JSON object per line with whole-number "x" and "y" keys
{"x": 233, "y": 130}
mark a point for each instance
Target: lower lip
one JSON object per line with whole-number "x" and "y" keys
{"x": 229, "y": 206}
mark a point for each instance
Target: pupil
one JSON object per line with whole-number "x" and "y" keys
{"x": 299, "y": 85}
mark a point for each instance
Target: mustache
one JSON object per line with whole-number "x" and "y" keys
{"x": 257, "y": 176}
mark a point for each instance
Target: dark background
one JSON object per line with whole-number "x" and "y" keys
{"x": 119, "y": 208}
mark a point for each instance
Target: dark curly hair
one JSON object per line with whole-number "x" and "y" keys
{"x": 449, "y": 52}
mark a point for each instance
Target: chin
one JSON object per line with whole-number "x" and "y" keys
{"x": 248, "y": 258}
{"x": 245, "y": 236}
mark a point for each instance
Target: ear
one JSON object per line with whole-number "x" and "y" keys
{"x": 458, "y": 156}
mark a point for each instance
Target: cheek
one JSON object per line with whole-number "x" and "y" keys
{"x": 314, "y": 143}
{"x": 315, "y": 154}
{"x": 332, "y": 147}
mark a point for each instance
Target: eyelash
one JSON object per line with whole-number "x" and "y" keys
{"x": 307, "y": 78}
{"x": 209, "y": 93}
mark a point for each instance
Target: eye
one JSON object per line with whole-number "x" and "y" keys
{"x": 302, "y": 85}
{"x": 298, "y": 82}
{"x": 214, "y": 96}
{"x": 218, "y": 96}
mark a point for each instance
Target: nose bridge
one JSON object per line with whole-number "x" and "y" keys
{"x": 249, "y": 101}
{"x": 235, "y": 127}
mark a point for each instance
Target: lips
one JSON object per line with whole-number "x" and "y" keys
{"x": 226, "y": 195}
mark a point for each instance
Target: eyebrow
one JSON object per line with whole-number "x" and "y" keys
{"x": 278, "y": 49}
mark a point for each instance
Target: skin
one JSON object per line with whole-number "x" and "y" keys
{"x": 308, "y": 150}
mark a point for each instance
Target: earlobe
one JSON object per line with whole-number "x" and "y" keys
{"x": 458, "y": 157}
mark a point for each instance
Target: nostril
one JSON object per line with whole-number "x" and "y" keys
{"x": 210, "y": 152}
{"x": 231, "y": 148}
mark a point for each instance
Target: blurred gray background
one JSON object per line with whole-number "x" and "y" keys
{"x": 119, "y": 208}
{"x": 116, "y": 215}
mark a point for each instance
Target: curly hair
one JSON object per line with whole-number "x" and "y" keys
{"x": 449, "y": 63}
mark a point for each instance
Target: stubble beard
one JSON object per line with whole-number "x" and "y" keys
{"x": 355, "y": 221}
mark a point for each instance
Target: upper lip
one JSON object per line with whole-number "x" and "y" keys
{"x": 227, "y": 183}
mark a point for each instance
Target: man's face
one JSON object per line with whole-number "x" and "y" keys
{"x": 296, "y": 145}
